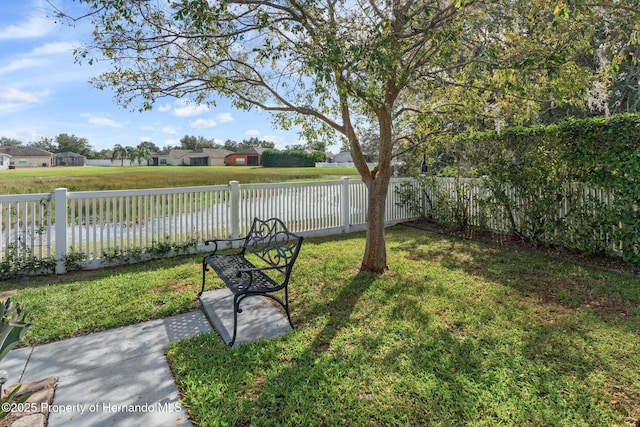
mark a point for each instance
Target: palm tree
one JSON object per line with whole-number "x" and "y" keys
{"x": 143, "y": 154}
{"x": 131, "y": 154}
{"x": 119, "y": 152}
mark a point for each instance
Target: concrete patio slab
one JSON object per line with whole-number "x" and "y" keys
{"x": 15, "y": 363}
{"x": 261, "y": 318}
{"x": 68, "y": 357}
{"x": 118, "y": 377}
{"x": 139, "y": 391}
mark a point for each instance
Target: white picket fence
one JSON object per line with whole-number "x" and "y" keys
{"x": 98, "y": 228}
{"x": 472, "y": 194}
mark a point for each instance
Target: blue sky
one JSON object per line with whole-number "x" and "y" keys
{"x": 44, "y": 93}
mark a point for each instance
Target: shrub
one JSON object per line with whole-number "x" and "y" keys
{"x": 291, "y": 158}
{"x": 574, "y": 183}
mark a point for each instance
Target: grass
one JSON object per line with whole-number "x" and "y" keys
{"x": 45, "y": 180}
{"x": 458, "y": 333}
{"x": 89, "y": 301}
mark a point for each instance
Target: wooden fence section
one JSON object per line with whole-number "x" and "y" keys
{"x": 96, "y": 228}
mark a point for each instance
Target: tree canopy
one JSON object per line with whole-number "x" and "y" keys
{"x": 399, "y": 67}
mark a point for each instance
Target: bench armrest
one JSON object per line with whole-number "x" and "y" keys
{"x": 215, "y": 243}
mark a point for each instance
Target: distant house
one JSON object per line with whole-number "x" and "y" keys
{"x": 5, "y": 159}
{"x": 342, "y": 157}
{"x": 109, "y": 160}
{"x": 27, "y": 157}
{"x": 200, "y": 157}
{"x": 248, "y": 157}
{"x": 330, "y": 156}
{"x": 68, "y": 158}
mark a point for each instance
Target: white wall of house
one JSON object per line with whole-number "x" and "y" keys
{"x": 169, "y": 161}
{"x": 31, "y": 161}
{"x": 107, "y": 162}
{"x": 4, "y": 161}
{"x": 216, "y": 161}
{"x": 342, "y": 157}
{"x": 186, "y": 160}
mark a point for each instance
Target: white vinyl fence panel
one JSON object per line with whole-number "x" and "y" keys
{"x": 97, "y": 228}
{"x": 26, "y": 227}
{"x": 475, "y": 194}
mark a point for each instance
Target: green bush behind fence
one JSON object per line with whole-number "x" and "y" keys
{"x": 575, "y": 183}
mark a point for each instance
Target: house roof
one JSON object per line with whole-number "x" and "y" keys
{"x": 21, "y": 151}
{"x": 68, "y": 154}
{"x": 175, "y": 153}
{"x": 252, "y": 150}
{"x": 215, "y": 152}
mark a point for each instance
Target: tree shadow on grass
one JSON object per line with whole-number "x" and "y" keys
{"x": 411, "y": 369}
{"x": 267, "y": 380}
{"x": 338, "y": 310}
{"x": 577, "y": 324}
{"x": 534, "y": 275}
{"x": 368, "y": 351}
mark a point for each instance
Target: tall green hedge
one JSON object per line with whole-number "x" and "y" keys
{"x": 577, "y": 183}
{"x": 291, "y": 159}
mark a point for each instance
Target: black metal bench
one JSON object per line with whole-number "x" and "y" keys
{"x": 262, "y": 266}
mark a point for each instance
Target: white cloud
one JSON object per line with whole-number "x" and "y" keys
{"x": 164, "y": 108}
{"x": 9, "y": 134}
{"x": 35, "y": 58}
{"x": 21, "y": 64}
{"x": 101, "y": 121}
{"x": 53, "y": 48}
{"x": 169, "y": 130}
{"x": 273, "y": 138}
{"x": 252, "y": 132}
{"x": 35, "y": 26}
{"x": 203, "y": 124}
{"x": 13, "y": 99}
{"x": 224, "y": 118}
{"x": 189, "y": 110}
{"x": 145, "y": 139}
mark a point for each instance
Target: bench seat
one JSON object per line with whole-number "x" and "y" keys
{"x": 250, "y": 279}
{"x": 274, "y": 250}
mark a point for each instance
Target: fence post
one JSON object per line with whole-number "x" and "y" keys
{"x": 61, "y": 220}
{"x": 234, "y": 208}
{"x": 346, "y": 208}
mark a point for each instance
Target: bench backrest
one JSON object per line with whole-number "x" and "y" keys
{"x": 270, "y": 241}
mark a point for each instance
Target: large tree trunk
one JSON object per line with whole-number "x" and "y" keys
{"x": 375, "y": 253}
{"x": 376, "y": 180}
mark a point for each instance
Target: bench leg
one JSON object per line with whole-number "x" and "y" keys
{"x": 286, "y": 305}
{"x": 237, "y": 299}
{"x": 236, "y": 310}
{"x": 204, "y": 271}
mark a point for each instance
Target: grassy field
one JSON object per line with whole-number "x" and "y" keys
{"x": 457, "y": 333}
{"x": 45, "y": 180}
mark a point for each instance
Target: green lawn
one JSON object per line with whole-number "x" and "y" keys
{"x": 457, "y": 333}
{"x": 44, "y": 180}
{"x": 82, "y": 302}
